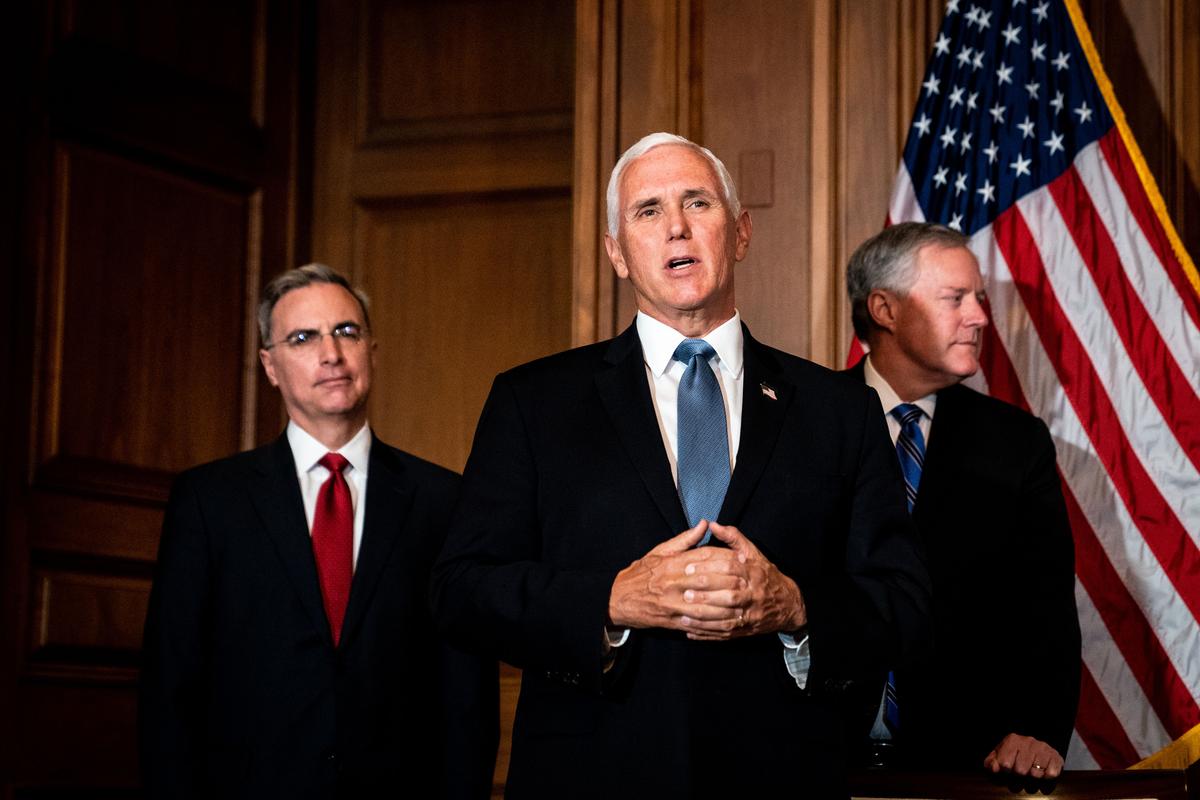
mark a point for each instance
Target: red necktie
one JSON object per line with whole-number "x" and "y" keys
{"x": 333, "y": 541}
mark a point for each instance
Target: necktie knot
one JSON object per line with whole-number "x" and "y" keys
{"x": 690, "y": 348}
{"x": 334, "y": 462}
{"x": 907, "y": 413}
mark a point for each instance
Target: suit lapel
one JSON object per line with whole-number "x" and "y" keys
{"x": 389, "y": 498}
{"x": 766, "y": 397}
{"x": 281, "y": 509}
{"x": 625, "y": 394}
{"x": 944, "y": 437}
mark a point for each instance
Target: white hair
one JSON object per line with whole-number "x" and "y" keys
{"x": 640, "y": 148}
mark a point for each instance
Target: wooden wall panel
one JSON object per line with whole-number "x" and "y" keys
{"x": 150, "y": 303}
{"x": 87, "y": 619}
{"x": 757, "y": 92}
{"x": 160, "y": 181}
{"x": 178, "y": 35}
{"x": 451, "y": 306}
{"x": 477, "y": 73}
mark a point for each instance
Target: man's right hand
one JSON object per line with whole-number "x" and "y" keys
{"x": 649, "y": 593}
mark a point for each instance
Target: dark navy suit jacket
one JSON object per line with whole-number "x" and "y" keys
{"x": 568, "y": 482}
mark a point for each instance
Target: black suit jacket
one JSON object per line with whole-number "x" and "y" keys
{"x": 568, "y": 482}
{"x": 243, "y": 692}
{"x": 990, "y": 512}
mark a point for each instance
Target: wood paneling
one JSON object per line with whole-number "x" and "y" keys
{"x": 87, "y": 619}
{"x": 147, "y": 310}
{"x": 757, "y": 91}
{"x": 160, "y": 181}
{"x": 452, "y": 305}
{"x": 466, "y": 68}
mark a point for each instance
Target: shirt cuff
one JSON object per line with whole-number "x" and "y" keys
{"x": 616, "y": 637}
{"x": 796, "y": 657}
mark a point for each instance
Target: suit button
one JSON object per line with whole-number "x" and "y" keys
{"x": 331, "y": 756}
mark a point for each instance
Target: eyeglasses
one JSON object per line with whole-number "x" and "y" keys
{"x": 346, "y": 333}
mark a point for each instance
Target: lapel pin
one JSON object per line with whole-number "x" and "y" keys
{"x": 768, "y": 391}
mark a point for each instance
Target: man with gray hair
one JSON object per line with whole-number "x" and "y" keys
{"x": 1002, "y": 687}
{"x": 693, "y": 544}
{"x": 289, "y": 649}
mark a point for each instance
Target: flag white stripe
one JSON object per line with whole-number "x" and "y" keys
{"x": 1148, "y": 433}
{"x": 1146, "y": 273}
{"x": 1078, "y": 756}
{"x": 1117, "y": 683}
{"x": 1115, "y": 528}
{"x": 904, "y": 206}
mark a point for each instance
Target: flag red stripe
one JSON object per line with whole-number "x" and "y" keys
{"x": 1139, "y": 204}
{"x": 997, "y": 367}
{"x": 1100, "y": 729}
{"x": 1140, "y": 646}
{"x": 1155, "y": 519}
{"x": 1170, "y": 389}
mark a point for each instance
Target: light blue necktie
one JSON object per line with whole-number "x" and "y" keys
{"x": 910, "y": 449}
{"x": 701, "y": 436}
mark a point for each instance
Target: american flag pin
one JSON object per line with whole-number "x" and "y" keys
{"x": 768, "y": 391}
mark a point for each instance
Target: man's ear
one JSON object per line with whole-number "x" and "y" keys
{"x": 264, "y": 356}
{"x": 613, "y": 247}
{"x": 882, "y": 305}
{"x": 743, "y": 227}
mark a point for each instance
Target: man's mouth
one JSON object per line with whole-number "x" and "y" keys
{"x": 680, "y": 263}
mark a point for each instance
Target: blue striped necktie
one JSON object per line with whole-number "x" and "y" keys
{"x": 910, "y": 449}
{"x": 702, "y": 440}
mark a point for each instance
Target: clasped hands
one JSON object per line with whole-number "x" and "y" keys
{"x": 710, "y": 593}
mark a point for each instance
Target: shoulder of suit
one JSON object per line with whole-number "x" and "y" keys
{"x": 230, "y": 469}
{"x": 810, "y": 376}
{"x": 995, "y": 412}
{"x": 417, "y": 468}
{"x": 577, "y": 358}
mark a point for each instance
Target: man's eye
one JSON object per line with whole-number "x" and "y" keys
{"x": 647, "y": 212}
{"x": 700, "y": 204}
{"x": 348, "y": 331}
{"x": 301, "y": 337}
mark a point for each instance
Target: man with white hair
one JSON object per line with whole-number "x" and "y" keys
{"x": 695, "y": 546}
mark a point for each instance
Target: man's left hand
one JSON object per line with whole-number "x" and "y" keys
{"x": 769, "y": 601}
{"x": 1024, "y": 755}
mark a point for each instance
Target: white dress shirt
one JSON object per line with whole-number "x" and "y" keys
{"x": 664, "y": 373}
{"x": 889, "y": 399}
{"x": 307, "y": 451}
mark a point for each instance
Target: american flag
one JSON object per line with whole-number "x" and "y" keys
{"x": 1018, "y": 141}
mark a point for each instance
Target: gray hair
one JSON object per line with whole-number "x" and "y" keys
{"x": 640, "y": 148}
{"x": 298, "y": 278}
{"x": 888, "y": 260}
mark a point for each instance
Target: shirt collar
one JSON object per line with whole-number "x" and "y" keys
{"x": 660, "y": 340}
{"x": 307, "y": 451}
{"x": 888, "y": 396}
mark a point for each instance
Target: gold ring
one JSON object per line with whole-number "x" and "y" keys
{"x": 1038, "y": 766}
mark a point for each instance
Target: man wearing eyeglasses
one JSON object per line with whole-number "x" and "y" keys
{"x": 289, "y": 650}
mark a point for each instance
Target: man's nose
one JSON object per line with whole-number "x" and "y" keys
{"x": 678, "y": 224}
{"x": 330, "y": 348}
{"x": 976, "y": 314}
